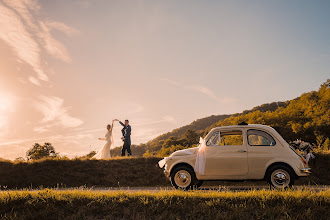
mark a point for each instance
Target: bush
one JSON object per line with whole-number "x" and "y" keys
{"x": 38, "y": 151}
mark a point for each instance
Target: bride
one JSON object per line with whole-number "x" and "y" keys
{"x": 104, "y": 153}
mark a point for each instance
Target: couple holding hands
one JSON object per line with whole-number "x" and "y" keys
{"x": 104, "y": 153}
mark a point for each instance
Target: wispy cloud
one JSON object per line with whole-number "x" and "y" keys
{"x": 54, "y": 25}
{"x": 201, "y": 89}
{"x": 24, "y": 30}
{"x": 28, "y": 35}
{"x": 170, "y": 81}
{"x": 204, "y": 90}
{"x": 54, "y": 114}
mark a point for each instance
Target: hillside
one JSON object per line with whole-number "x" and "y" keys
{"x": 199, "y": 126}
{"x": 153, "y": 145}
{"x": 306, "y": 117}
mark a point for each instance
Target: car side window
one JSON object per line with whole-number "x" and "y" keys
{"x": 260, "y": 138}
{"x": 233, "y": 137}
{"x": 214, "y": 140}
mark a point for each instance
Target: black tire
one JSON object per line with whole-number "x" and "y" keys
{"x": 280, "y": 177}
{"x": 199, "y": 183}
{"x": 183, "y": 177}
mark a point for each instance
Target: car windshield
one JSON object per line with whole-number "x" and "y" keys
{"x": 214, "y": 140}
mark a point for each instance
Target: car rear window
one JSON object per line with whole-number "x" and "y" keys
{"x": 260, "y": 138}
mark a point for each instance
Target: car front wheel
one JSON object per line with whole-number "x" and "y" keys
{"x": 280, "y": 177}
{"x": 183, "y": 177}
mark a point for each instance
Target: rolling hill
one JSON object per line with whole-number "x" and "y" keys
{"x": 306, "y": 117}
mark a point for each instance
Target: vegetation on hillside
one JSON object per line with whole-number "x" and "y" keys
{"x": 52, "y": 204}
{"x": 306, "y": 117}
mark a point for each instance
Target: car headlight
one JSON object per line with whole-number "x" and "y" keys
{"x": 162, "y": 162}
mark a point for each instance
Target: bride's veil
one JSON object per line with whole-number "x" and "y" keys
{"x": 112, "y": 145}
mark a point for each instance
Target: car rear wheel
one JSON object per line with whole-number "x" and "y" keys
{"x": 183, "y": 177}
{"x": 280, "y": 177}
{"x": 199, "y": 183}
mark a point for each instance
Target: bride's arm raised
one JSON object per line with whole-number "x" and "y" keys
{"x": 112, "y": 125}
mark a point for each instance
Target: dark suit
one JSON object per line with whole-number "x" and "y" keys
{"x": 126, "y": 131}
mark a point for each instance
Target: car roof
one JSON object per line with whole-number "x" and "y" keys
{"x": 246, "y": 126}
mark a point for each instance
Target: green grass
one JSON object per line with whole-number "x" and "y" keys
{"x": 50, "y": 204}
{"x": 115, "y": 172}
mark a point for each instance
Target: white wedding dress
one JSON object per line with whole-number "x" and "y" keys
{"x": 104, "y": 153}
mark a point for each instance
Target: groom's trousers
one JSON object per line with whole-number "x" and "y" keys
{"x": 126, "y": 146}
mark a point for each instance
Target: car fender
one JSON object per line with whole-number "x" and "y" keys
{"x": 285, "y": 161}
{"x": 183, "y": 160}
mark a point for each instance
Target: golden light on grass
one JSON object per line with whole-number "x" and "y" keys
{"x": 88, "y": 204}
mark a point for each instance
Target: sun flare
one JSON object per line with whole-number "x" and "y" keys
{"x": 5, "y": 102}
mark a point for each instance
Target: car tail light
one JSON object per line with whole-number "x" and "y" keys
{"x": 304, "y": 161}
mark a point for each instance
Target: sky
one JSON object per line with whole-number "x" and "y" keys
{"x": 68, "y": 67}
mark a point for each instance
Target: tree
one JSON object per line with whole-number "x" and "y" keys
{"x": 147, "y": 154}
{"x": 170, "y": 142}
{"x": 41, "y": 151}
{"x": 91, "y": 154}
{"x": 19, "y": 159}
{"x": 190, "y": 137}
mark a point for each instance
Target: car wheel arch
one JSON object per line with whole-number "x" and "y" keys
{"x": 180, "y": 164}
{"x": 279, "y": 164}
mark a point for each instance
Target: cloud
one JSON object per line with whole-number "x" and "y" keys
{"x": 52, "y": 46}
{"x": 170, "y": 81}
{"x": 204, "y": 90}
{"x": 28, "y": 35}
{"x": 54, "y": 114}
{"x": 201, "y": 89}
{"x": 69, "y": 31}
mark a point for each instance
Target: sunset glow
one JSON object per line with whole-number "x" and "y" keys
{"x": 68, "y": 68}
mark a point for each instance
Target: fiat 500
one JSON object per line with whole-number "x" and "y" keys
{"x": 238, "y": 152}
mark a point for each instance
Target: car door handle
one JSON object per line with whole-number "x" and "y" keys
{"x": 242, "y": 151}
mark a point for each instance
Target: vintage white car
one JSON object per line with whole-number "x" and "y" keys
{"x": 238, "y": 152}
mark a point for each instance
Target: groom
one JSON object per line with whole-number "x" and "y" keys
{"x": 126, "y": 131}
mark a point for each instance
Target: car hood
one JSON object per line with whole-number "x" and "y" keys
{"x": 184, "y": 152}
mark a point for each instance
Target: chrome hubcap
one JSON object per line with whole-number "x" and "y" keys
{"x": 182, "y": 178}
{"x": 280, "y": 178}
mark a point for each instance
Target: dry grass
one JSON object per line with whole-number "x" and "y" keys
{"x": 50, "y": 204}
{"x": 74, "y": 173}
{"x": 115, "y": 172}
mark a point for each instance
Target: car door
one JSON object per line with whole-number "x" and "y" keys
{"x": 226, "y": 154}
{"x": 262, "y": 148}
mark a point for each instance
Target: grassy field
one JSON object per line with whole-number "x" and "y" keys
{"x": 115, "y": 172}
{"x": 49, "y": 204}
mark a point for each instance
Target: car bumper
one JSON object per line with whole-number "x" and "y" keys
{"x": 306, "y": 170}
{"x": 163, "y": 165}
